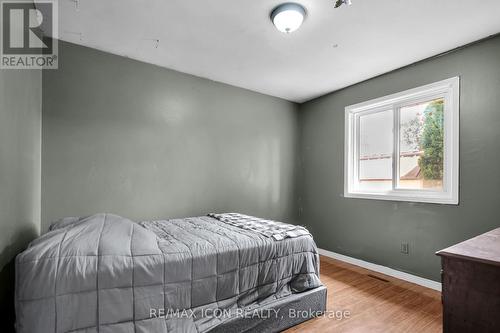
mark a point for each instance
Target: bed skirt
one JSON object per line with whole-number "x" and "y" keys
{"x": 279, "y": 315}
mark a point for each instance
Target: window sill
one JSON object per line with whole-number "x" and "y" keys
{"x": 437, "y": 199}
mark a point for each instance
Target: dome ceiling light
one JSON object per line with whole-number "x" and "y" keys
{"x": 288, "y": 17}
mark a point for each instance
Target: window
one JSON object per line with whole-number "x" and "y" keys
{"x": 404, "y": 146}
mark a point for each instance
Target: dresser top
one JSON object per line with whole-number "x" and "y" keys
{"x": 484, "y": 248}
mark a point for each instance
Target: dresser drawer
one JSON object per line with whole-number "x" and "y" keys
{"x": 471, "y": 296}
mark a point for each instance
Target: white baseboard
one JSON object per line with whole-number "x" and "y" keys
{"x": 384, "y": 270}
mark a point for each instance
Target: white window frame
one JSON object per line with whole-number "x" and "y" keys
{"x": 449, "y": 90}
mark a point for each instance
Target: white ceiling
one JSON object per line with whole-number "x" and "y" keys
{"x": 234, "y": 41}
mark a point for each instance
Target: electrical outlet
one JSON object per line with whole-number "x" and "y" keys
{"x": 405, "y": 248}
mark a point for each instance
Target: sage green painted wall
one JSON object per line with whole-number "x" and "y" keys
{"x": 20, "y": 123}
{"x": 146, "y": 142}
{"x": 372, "y": 230}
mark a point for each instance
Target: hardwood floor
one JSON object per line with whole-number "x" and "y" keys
{"x": 374, "y": 303}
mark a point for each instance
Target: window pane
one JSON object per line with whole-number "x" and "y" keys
{"x": 375, "y": 151}
{"x": 421, "y": 145}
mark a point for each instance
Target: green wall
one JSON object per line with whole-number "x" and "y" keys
{"x": 146, "y": 142}
{"x": 372, "y": 230}
{"x": 20, "y": 121}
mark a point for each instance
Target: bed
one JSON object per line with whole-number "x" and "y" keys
{"x": 218, "y": 273}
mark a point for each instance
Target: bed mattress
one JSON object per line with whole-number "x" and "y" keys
{"x": 106, "y": 273}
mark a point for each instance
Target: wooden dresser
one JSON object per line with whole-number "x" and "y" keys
{"x": 471, "y": 285}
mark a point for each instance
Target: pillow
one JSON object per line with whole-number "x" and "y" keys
{"x": 66, "y": 222}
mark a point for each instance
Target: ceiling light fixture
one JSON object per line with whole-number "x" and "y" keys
{"x": 288, "y": 17}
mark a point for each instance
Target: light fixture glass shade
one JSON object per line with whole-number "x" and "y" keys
{"x": 288, "y": 17}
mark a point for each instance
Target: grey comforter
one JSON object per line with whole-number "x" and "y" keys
{"x": 105, "y": 273}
